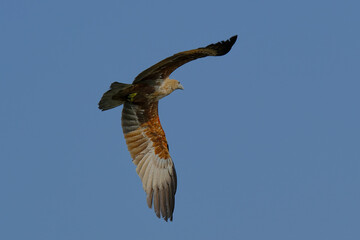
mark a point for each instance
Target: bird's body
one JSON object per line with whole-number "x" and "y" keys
{"x": 143, "y": 133}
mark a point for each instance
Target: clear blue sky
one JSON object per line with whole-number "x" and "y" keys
{"x": 265, "y": 140}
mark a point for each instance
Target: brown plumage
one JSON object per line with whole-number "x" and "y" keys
{"x": 143, "y": 133}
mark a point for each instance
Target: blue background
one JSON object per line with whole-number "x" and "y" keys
{"x": 265, "y": 140}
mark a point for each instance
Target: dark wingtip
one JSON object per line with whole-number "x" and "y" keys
{"x": 223, "y": 47}
{"x": 233, "y": 39}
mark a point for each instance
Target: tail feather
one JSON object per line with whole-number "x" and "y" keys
{"x": 116, "y": 89}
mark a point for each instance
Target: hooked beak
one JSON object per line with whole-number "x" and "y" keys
{"x": 180, "y": 87}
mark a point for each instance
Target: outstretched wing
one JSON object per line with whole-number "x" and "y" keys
{"x": 164, "y": 68}
{"x": 148, "y": 147}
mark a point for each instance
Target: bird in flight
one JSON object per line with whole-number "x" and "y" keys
{"x": 141, "y": 126}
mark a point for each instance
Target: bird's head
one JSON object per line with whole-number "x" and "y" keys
{"x": 168, "y": 86}
{"x": 171, "y": 85}
{"x": 175, "y": 84}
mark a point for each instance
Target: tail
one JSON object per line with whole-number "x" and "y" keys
{"x": 115, "y": 96}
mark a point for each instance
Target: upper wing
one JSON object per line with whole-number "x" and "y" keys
{"x": 148, "y": 147}
{"x": 164, "y": 68}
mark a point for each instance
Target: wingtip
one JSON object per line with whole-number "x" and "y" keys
{"x": 233, "y": 39}
{"x": 223, "y": 47}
